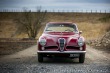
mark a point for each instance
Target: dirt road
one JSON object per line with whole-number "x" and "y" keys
{"x": 26, "y": 62}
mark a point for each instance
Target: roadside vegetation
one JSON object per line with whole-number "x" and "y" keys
{"x": 93, "y": 25}
{"x": 30, "y": 23}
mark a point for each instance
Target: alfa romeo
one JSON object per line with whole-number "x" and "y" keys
{"x": 61, "y": 39}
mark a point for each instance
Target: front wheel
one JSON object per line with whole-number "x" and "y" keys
{"x": 81, "y": 58}
{"x": 40, "y": 57}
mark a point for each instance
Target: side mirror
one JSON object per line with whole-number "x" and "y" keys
{"x": 80, "y": 32}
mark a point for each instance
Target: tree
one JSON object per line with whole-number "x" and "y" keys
{"x": 30, "y": 22}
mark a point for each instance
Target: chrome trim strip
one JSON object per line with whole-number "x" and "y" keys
{"x": 61, "y": 52}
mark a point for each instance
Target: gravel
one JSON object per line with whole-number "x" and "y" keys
{"x": 26, "y": 62}
{"x": 54, "y": 68}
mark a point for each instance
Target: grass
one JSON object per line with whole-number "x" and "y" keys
{"x": 89, "y": 23}
{"x": 93, "y": 31}
{"x": 93, "y": 25}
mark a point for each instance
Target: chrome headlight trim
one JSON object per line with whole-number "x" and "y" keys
{"x": 42, "y": 41}
{"x": 80, "y": 42}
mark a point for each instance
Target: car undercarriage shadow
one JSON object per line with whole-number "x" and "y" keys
{"x": 60, "y": 60}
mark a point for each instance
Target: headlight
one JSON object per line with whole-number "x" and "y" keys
{"x": 80, "y": 42}
{"x": 42, "y": 42}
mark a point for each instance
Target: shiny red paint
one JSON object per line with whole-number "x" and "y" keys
{"x": 52, "y": 44}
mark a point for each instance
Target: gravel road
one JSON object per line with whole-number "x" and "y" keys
{"x": 26, "y": 62}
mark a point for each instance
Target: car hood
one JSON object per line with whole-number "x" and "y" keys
{"x": 60, "y": 35}
{"x": 52, "y": 38}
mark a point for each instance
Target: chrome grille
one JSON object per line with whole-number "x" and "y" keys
{"x": 61, "y": 44}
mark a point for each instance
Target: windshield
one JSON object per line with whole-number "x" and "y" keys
{"x": 60, "y": 28}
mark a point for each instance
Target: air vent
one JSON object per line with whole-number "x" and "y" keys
{"x": 61, "y": 44}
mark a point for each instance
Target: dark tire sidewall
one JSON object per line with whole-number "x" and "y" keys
{"x": 40, "y": 57}
{"x": 82, "y": 58}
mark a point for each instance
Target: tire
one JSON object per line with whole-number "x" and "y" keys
{"x": 81, "y": 58}
{"x": 40, "y": 58}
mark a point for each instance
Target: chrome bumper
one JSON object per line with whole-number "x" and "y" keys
{"x": 64, "y": 52}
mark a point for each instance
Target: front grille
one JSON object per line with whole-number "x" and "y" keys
{"x": 61, "y": 44}
{"x": 72, "y": 47}
{"x": 51, "y": 47}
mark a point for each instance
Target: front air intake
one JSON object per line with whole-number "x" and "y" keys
{"x": 61, "y": 44}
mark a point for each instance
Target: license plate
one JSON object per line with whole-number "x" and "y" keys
{"x": 74, "y": 55}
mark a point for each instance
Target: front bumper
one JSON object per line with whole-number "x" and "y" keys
{"x": 63, "y": 52}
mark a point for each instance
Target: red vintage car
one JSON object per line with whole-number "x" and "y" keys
{"x": 61, "y": 39}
